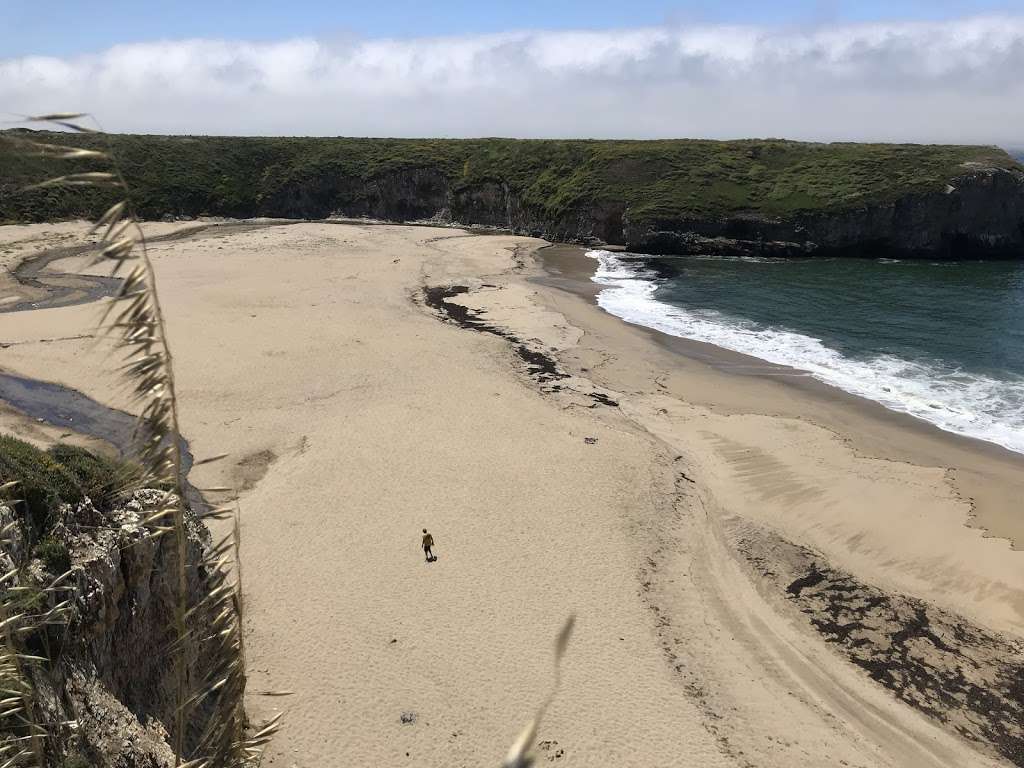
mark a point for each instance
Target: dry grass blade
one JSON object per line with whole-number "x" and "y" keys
{"x": 56, "y": 117}
{"x": 109, "y": 219}
{"x": 63, "y": 119}
{"x": 60, "y": 151}
{"x": 77, "y": 153}
{"x": 218, "y": 513}
{"x": 118, "y": 250}
{"x": 562, "y": 642}
{"x": 88, "y": 179}
{"x": 20, "y": 739}
{"x": 520, "y": 755}
{"x": 210, "y": 460}
{"x": 21, "y": 736}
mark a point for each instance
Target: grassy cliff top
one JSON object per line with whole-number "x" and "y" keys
{"x": 667, "y": 178}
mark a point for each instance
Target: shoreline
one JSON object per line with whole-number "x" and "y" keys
{"x": 882, "y": 433}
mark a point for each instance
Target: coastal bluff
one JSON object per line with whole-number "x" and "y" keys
{"x": 745, "y": 197}
{"x": 108, "y": 679}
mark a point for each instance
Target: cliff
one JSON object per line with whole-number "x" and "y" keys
{"x": 979, "y": 214}
{"x": 107, "y": 665}
{"x": 770, "y": 197}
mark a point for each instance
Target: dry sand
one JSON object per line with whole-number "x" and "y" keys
{"x": 355, "y": 417}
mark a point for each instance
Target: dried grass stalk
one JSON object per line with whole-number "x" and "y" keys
{"x": 520, "y": 755}
{"x": 134, "y": 319}
{"x": 22, "y": 731}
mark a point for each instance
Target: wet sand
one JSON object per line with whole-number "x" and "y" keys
{"x": 699, "y": 514}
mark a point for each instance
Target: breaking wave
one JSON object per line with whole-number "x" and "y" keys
{"x": 950, "y": 398}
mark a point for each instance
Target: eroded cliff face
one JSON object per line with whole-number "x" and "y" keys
{"x": 424, "y": 195}
{"x": 111, "y": 669}
{"x": 980, "y": 215}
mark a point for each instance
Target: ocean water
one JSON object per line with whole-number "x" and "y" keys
{"x": 941, "y": 341}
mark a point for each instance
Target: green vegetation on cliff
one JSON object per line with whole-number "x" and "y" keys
{"x": 62, "y": 475}
{"x": 188, "y": 176}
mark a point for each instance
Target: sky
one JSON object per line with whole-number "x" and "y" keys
{"x": 902, "y": 70}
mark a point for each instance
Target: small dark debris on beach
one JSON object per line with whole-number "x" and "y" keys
{"x": 407, "y": 718}
{"x": 603, "y": 399}
{"x": 589, "y": 440}
{"x": 540, "y": 366}
{"x": 551, "y": 747}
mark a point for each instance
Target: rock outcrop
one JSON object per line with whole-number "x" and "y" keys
{"x": 111, "y": 669}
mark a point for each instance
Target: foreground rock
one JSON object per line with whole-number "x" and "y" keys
{"x": 111, "y": 670}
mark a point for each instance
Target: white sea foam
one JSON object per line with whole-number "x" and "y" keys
{"x": 957, "y": 401}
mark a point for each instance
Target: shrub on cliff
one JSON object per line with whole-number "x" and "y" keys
{"x": 63, "y": 474}
{"x": 43, "y": 482}
{"x": 100, "y": 478}
{"x": 54, "y": 554}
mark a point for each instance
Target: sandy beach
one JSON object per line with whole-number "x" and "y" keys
{"x": 765, "y": 571}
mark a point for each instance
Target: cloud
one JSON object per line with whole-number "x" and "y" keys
{"x": 954, "y": 81}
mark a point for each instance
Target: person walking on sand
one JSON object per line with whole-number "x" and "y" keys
{"x": 428, "y": 542}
